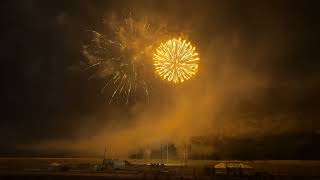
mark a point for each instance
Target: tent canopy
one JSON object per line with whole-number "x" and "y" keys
{"x": 224, "y": 165}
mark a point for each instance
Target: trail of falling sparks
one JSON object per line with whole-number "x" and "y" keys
{"x": 176, "y": 60}
{"x": 120, "y": 60}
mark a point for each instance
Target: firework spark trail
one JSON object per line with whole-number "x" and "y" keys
{"x": 100, "y": 43}
{"x": 121, "y": 57}
{"x": 176, "y": 60}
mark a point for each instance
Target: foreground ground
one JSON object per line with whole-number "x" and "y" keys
{"x": 82, "y": 168}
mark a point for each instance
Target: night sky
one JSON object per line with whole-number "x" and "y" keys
{"x": 259, "y": 71}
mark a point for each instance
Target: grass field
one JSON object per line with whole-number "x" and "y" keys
{"x": 291, "y": 167}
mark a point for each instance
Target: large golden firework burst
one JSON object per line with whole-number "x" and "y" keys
{"x": 176, "y": 60}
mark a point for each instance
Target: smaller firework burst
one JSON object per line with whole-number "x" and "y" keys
{"x": 176, "y": 60}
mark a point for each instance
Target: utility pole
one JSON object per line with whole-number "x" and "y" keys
{"x": 184, "y": 154}
{"x": 186, "y": 149}
{"x": 161, "y": 152}
{"x": 167, "y": 152}
{"x": 104, "y": 155}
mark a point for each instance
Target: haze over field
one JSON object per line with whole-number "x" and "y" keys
{"x": 254, "y": 96}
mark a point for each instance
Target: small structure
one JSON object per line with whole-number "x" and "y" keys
{"x": 233, "y": 168}
{"x": 114, "y": 163}
{"x": 57, "y": 167}
{"x": 110, "y": 163}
